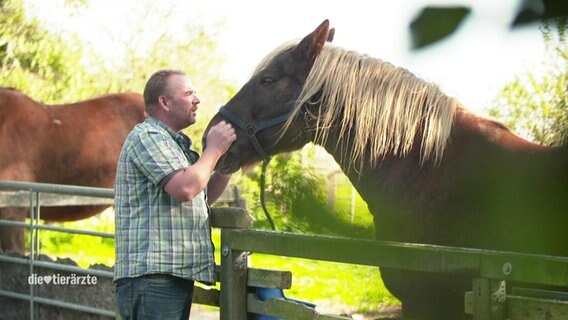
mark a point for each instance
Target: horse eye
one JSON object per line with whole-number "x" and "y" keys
{"x": 266, "y": 81}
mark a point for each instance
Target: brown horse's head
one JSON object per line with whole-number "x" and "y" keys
{"x": 264, "y": 105}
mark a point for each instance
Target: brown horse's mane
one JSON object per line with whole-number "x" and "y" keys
{"x": 386, "y": 107}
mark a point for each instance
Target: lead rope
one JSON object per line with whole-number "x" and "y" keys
{"x": 262, "y": 199}
{"x": 309, "y": 136}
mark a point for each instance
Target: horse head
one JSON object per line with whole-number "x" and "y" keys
{"x": 262, "y": 112}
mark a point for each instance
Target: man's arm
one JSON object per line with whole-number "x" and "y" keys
{"x": 187, "y": 183}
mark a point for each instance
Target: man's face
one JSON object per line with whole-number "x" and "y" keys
{"x": 182, "y": 101}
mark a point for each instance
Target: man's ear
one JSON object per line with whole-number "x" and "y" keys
{"x": 163, "y": 103}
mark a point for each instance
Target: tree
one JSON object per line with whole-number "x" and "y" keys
{"x": 34, "y": 60}
{"x": 535, "y": 105}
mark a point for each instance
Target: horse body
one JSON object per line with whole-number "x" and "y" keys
{"x": 484, "y": 194}
{"x": 430, "y": 171}
{"x": 76, "y": 144}
{"x": 482, "y": 186}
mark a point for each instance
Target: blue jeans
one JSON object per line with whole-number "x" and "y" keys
{"x": 157, "y": 296}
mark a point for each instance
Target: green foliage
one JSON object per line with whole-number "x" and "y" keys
{"x": 435, "y": 23}
{"x": 295, "y": 195}
{"x": 362, "y": 217}
{"x": 536, "y": 105}
{"x": 34, "y": 60}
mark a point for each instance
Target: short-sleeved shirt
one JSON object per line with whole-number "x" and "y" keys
{"x": 154, "y": 232}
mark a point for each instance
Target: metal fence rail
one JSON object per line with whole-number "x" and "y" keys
{"x": 57, "y": 189}
{"x": 30, "y": 197}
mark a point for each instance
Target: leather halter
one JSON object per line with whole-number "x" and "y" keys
{"x": 251, "y": 129}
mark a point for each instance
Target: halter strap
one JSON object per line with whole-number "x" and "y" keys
{"x": 251, "y": 129}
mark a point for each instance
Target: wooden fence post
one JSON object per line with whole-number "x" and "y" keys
{"x": 234, "y": 265}
{"x": 488, "y": 299}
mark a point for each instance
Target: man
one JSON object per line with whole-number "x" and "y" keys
{"x": 162, "y": 192}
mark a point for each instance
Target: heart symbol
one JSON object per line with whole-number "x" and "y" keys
{"x": 47, "y": 279}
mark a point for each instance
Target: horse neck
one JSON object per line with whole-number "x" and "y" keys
{"x": 491, "y": 132}
{"x": 388, "y": 175}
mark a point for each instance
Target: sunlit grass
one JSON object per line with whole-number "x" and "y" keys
{"x": 353, "y": 287}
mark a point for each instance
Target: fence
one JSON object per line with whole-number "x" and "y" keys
{"x": 37, "y": 195}
{"x": 31, "y": 198}
{"x": 236, "y": 299}
{"x": 488, "y": 266}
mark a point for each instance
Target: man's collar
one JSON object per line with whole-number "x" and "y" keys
{"x": 175, "y": 135}
{"x": 160, "y": 123}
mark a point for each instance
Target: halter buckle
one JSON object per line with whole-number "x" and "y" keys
{"x": 250, "y": 130}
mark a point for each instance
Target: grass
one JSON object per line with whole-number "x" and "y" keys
{"x": 331, "y": 285}
{"x": 338, "y": 285}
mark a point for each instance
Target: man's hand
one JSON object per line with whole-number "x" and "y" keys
{"x": 220, "y": 137}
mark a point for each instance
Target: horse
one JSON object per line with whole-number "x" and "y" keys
{"x": 430, "y": 170}
{"x": 75, "y": 144}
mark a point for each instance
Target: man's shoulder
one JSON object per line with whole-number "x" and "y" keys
{"x": 151, "y": 125}
{"x": 144, "y": 135}
{"x": 145, "y": 129}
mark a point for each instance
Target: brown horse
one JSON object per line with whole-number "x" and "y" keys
{"x": 430, "y": 171}
{"x": 76, "y": 144}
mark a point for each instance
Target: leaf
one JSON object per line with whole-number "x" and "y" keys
{"x": 535, "y": 10}
{"x": 435, "y": 23}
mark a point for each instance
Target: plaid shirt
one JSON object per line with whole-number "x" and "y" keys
{"x": 155, "y": 233}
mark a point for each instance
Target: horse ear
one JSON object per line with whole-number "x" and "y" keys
{"x": 330, "y": 35}
{"x": 309, "y": 48}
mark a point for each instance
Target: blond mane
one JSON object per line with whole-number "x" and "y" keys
{"x": 384, "y": 106}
